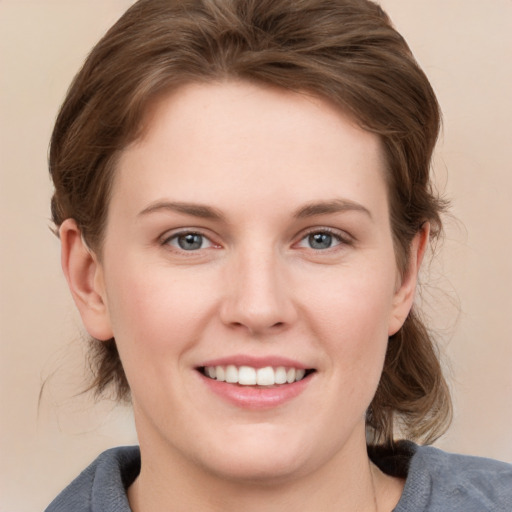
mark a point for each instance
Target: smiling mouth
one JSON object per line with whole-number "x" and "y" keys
{"x": 249, "y": 376}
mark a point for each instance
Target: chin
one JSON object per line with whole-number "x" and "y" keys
{"x": 270, "y": 471}
{"x": 262, "y": 459}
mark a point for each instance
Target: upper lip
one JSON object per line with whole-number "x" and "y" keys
{"x": 255, "y": 362}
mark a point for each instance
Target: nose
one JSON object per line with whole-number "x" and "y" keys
{"x": 257, "y": 294}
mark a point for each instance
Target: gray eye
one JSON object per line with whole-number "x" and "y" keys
{"x": 190, "y": 241}
{"x": 320, "y": 240}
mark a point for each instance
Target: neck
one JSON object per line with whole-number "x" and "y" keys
{"x": 348, "y": 482}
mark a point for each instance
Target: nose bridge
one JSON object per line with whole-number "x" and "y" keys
{"x": 257, "y": 293}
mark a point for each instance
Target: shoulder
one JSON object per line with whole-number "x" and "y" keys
{"x": 102, "y": 485}
{"x": 438, "y": 481}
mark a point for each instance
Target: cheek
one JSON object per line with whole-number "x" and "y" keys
{"x": 154, "y": 310}
{"x": 358, "y": 305}
{"x": 157, "y": 316}
{"x": 352, "y": 318}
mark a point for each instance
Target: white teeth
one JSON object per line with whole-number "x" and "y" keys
{"x": 231, "y": 374}
{"x": 290, "y": 375}
{"x": 265, "y": 376}
{"x": 299, "y": 374}
{"x": 220, "y": 373}
{"x": 246, "y": 376}
{"x": 249, "y": 376}
{"x": 280, "y": 375}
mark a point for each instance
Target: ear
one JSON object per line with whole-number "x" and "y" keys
{"x": 405, "y": 292}
{"x": 84, "y": 275}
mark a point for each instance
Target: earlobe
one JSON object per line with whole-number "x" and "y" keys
{"x": 84, "y": 275}
{"x": 404, "y": 295}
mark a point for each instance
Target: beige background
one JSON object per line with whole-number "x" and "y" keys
{"x": 465, "y": 46}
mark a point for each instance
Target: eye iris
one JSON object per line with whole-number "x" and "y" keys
{"x": 190, "y": 241}
{"x": 320, "y": 240}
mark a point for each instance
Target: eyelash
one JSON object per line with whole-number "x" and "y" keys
{"x": 176, "y": 236}
{"x": 339, "y": 238}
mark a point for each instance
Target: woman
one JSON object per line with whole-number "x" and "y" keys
{"x": 243, "y": 199}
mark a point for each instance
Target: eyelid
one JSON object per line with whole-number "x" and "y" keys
{"x": 168, "y": 236}
{"x": 342, "y": 236}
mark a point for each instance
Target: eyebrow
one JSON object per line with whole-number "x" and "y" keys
{"x": 193, "y": 209}
{"x": 333, "y": 206}
{"x": 207, "y": 212}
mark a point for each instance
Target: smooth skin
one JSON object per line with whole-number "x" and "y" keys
{"x": 248, "y": 221}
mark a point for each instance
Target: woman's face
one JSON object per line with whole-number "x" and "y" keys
{"x": 248, "y": 240}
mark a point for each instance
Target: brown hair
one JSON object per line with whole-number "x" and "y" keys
{"x": 344, "y": 50}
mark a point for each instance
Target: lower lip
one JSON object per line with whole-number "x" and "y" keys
{"x": 254, "y": 397}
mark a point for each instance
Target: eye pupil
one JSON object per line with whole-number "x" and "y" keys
{"x": 320, "y": 240}
{"x": 190, "y": 241}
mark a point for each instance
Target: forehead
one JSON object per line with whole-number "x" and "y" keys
{"x": 220, "y": 139}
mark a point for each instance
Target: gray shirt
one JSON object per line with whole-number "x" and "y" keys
{"x": 436, "y": 481}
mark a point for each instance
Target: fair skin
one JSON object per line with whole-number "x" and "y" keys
{"x": 249, "y": 226}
